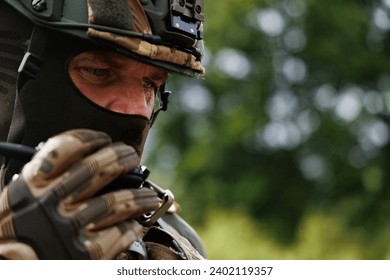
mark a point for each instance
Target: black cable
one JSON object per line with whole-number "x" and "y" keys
{"x": 17, "y": 151}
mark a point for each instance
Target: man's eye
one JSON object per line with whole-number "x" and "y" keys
{"x": 148, "y": 85}
{"x": 98, "y": 72}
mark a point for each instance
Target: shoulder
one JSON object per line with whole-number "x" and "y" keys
{"x": 184, "y": 229}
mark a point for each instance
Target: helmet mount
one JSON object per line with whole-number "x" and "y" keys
{"x": 175, "y": 24}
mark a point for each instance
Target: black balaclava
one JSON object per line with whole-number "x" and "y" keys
{"x": 51, "y": 103}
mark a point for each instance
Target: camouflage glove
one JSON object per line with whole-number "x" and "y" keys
{"x": 49, "y": 212}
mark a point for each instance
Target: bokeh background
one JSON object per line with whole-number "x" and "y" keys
{"x": 282, "y": 151}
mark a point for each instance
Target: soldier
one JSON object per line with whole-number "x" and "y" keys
{"x": 81, "y": 83}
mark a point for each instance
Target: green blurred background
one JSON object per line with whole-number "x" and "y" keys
{"x": 282, "y": 151}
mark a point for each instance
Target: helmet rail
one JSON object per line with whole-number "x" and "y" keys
{"x": 176, "y": 24}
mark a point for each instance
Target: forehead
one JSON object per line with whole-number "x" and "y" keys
{"x": 97, "y": 58}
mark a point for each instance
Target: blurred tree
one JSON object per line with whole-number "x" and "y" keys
{"x": 292, "y": 116}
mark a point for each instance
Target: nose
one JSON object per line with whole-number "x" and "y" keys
{"x": 131, "y": 98}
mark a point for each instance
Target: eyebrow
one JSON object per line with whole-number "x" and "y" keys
{"x": 159, "y": 75}
{"x": 91, "y": 57}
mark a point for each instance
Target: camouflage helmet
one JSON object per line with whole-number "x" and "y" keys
{"x": 164, "y": 33}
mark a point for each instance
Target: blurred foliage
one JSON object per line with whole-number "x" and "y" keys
{"x": 289, "y": 129}
{"x": 232, "y": 235}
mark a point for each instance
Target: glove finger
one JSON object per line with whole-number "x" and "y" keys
{"x": 5, "y": 208}
{"x": 60, "y": 152}
{"x": 124, "y": 209}
{"x": 111, "y": 208}
{"x": 107, "y": 243}
{"x": 7, "y": 229}
{"x": 94, "y": 172}
{"x": 106, "y": 165}
{"x": 14, "y": 250}
{"x": 89, "y": 175}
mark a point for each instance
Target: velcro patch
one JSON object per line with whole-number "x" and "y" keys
{"x": 113, "y": 13}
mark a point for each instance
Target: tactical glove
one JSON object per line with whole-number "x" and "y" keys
{"x": 51, "y": 211}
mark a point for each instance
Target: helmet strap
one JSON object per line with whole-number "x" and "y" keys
{"x": 32, "y": 60}
{"x": 163, "y": 105}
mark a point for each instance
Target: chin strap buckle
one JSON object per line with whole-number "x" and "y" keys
{"x": 30, "y": 65}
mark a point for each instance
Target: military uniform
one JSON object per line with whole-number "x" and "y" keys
{"x": 69, "y": 201}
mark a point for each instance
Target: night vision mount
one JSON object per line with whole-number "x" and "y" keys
{"x": 173, "y": 22}
{"x": 180, "y": 22}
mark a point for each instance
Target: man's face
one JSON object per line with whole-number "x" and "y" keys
{"x": 116, "y": 82}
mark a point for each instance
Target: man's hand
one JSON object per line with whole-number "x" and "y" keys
{"x": 51, "y": 211}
